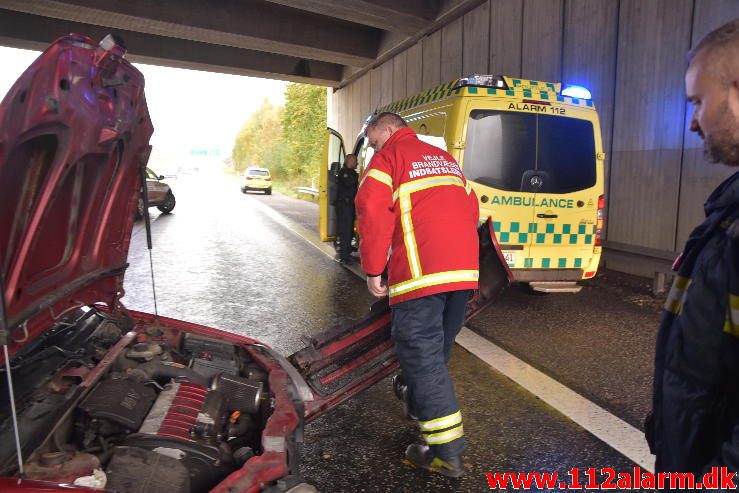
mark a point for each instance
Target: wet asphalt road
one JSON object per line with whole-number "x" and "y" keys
{"x": 220, "y": 261}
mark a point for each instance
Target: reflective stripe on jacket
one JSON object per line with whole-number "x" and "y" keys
{"x": 415, "y": 207}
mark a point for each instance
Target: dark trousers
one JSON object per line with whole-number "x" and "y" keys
{"x": 424, "y": 330}
{"x": 345, "y": 228}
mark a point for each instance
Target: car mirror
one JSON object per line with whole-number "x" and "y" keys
{"x": 161, "y": 177}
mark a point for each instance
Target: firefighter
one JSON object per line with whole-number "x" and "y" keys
{"x": 346, "y": 190}
{"x": 694, "y": 423}
{"x": 418, "y": 217}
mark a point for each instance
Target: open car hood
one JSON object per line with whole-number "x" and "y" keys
{"x": 74, "y": 133}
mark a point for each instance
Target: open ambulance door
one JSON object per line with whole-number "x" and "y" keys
{"x": 344, "y": 360}
{"x": 333, "y": 159}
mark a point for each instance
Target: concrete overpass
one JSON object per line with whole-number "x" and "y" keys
{"x": 630, "y": 53}
{"x": 315, "y": 41}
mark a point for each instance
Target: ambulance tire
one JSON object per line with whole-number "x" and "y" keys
{"x": 268, "y": 191}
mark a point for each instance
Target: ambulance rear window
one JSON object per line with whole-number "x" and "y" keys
{"x": 505, "y": 149}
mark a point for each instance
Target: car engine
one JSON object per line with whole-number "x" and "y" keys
{"x": 170, "y": 411}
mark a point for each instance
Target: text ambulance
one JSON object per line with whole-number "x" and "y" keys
{"x": 534, "y": 155}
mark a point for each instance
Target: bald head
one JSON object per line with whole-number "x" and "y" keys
{"x": 387, "y": 119}
{"x": 381, "y": 127}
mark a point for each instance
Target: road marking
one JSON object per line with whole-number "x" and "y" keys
{"x": 612, "y": 430}
{"x": 305, "y": 234}
{"x": 615, "y": 432}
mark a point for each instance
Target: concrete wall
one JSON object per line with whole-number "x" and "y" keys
{"x": 630, "y": 54}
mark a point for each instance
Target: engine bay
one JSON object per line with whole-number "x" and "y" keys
{"x": 134, "y": 406}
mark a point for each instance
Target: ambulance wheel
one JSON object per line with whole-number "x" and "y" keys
{"x": 268, "y": 191}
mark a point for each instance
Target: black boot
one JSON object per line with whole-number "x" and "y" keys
{"x": 421, "y": 456}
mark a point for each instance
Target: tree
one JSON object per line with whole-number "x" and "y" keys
{"x": 261, "y": 132}
{"x": 304, "y": 125}
{"x": 288, "y": 141}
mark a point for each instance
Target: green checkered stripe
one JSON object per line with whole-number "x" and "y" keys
{"x": 543, "y": 91}
{"x": 517, "y": 233}
{"x": 552, "y": 263}
{"x": 434, "y": 94}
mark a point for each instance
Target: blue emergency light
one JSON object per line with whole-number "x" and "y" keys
{"x": 577, "y": 92}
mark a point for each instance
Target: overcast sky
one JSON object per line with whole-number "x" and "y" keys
{"x": 191, "y": 110}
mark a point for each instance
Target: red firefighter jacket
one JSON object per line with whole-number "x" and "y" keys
{"x": 417, "y": 211}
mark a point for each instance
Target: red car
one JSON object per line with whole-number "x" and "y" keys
{"x": 117, "y": 399}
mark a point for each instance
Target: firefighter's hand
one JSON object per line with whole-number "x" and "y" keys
{"x": 375, "y": 286}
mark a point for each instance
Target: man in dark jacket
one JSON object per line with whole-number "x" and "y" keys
{"x": 346, "y": 189}
{"x": 694, "y": 424}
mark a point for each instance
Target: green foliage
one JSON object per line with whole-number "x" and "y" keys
{"x": 304, "y": 124}
{"x": 261, "y": 132}
{"x": 288, "y": 141}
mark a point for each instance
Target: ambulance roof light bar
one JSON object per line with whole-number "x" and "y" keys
{"x": 577, "y": 92}
{"x": 476, "y": 80}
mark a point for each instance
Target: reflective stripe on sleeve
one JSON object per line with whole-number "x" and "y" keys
{"x": 731, "y": 326}
{"x": 676, "y": 297}
{"x": 380, "y": 176}
{"x": 433, "y": 280}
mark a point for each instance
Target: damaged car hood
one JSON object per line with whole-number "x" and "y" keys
{"x": 74, "y": 133}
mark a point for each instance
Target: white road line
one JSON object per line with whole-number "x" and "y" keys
{"x": 615, "y": 432}
{"x": 296, "y": 228}
{"x": 612, "y": 430}
{"x": 305, "y": 234}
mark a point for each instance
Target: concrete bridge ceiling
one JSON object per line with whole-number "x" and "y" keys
{"x": 323, "y": 42}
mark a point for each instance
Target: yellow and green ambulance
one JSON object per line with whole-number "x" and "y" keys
{"x": 534, "y": 155}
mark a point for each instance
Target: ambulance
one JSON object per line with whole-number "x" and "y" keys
{"x": 533, "y": 153}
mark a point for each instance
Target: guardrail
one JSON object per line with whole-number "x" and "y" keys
{"x": 308, "y": 191}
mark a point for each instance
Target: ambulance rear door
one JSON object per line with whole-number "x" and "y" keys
{"x": 498, "y": 151}
{"x": 567, "y": 182}
{"x": 333, "y": 159}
